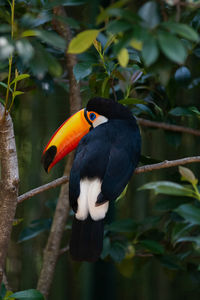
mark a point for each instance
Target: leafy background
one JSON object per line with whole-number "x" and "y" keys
{"x": 146, "y": 55}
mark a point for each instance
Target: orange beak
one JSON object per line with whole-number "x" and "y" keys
{"x": 66, "y": 138}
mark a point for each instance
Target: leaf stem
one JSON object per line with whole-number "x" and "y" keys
{"x": 12, "y": 18}
{"x": 8, "y": 84}
{"x": 197, "y": 194}
{"x": 14, "y": 90}
{"x": 11, "y": 57}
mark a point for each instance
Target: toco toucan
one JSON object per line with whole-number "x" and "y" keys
{"x": 108, "y": 150}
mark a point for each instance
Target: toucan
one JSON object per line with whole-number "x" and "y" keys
{"x": 108, "y": 144}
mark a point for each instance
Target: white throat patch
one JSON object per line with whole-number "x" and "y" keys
{"x": 89, "y": 191}
{"x": 100, "y": 120}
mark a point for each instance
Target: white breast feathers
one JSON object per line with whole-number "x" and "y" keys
{"x": 89, "y": 191}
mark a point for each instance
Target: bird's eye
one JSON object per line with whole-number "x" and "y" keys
{"x": 92, "y": 116}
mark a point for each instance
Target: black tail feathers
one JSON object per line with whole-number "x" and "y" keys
{"x": 87, "y": 239}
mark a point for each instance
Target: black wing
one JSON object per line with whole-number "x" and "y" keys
{"x": 90, "y": 161}
{"x": 123, "y": 159}
{"x": 110, "y": 152}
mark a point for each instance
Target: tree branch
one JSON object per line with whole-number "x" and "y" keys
{"x": 43, "y": 188}
{"x": 63, "y": 250}
{"x": 143, "y": 169}
{"x": 9, "y": 180}
{"x": 52, "y": 250}
{"x": 165, "y": 126}
{"x": 167, "y": 164}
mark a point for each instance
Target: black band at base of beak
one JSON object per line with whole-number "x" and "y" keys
{"x": 48, "y": 157}
{"x": 86, "y": 117}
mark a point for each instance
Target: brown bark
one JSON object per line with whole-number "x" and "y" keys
{"x": 52, "y": 249}
{"x": 138, "y": 170}
{"x": 166, "y": 126}
{"x": 8, "y": 184}
{"x": 43, "y": 188}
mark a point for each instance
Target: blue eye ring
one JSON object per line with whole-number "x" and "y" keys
{"x": 92, "y": 116}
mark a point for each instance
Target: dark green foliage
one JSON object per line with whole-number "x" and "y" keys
{"x": 27, "y": 295}
{"x": 145, "y": 58}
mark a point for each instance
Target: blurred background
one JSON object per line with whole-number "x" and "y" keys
{"x": 166, "y": 90}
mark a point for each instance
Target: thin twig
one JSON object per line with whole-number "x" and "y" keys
{"x": 63, "y": 250}
{"x": 165, "y": 126}
{"x": 43, "y": 188}
{"x": 143, "y": 169}
{"x": 167, "y": 164}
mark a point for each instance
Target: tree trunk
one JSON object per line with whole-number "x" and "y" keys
{"x": 52, "y": 249}
{"x": 8, "y": 184}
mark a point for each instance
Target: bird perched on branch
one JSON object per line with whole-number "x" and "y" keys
{"x": 108, "y": 145}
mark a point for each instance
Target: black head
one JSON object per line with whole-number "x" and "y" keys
{"x": 109, "y": 108}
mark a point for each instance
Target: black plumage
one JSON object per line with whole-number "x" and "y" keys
{"x": 109, "y": 152}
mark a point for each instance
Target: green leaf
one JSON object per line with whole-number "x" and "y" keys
{"x": 192, "y": 239}
{"x": 5, "y": 86}
{"x": 82, "y": 41}
{"x": 106, "y": 247}
{"x": 123, "y": 57}
{"x": 29, "y": 21}
{"x": 190, "y": 213}
{"x": 17, "y": 93}
{"x": 122, "y": 195}
{"x": 28, "y": 295}
{"x": 117, "y": 251}
{"x": 117, "y": 26}
{"x": 180, "y": 111}
{"x": 168, "y": 188}
{"x": 2, "y": 291}
{"x": 5, "y": 28}
{"x": 136, "y": 44}
{"x": 35, "y": 228}
{"x": 150, "y": 51}
{"x": 82, "y": 70}
{"x": 25, "y": 50}
{"x": 8, "y": 296}
{"x": 51, "y": 38}
{"x": 172, "y": 47}
{"x": 187, "y": 175}
{"x": 183, "y": 30}
{"x": 51, "y": 4}
{"x": 28, "y": 33}
{"x": 48, "y": 37}
{"x": 179, "y": 230}
{"x": 152, "y": 246}
{"x": 150, "y": 14}
{"x": 97, "y": 46}
{"x": 20, "y": 77}
{"x": 182, "y": 76}
{"x": 6, "y": 48}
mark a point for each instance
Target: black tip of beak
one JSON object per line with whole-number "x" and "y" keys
{"x": 48, "y": 157}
